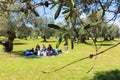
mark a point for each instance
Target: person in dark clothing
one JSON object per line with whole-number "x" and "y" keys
{"x": 37, "y": 46}
{"x": 32, "y": 50}
{"x": 49, "y": 47}
{"x": 36, "y": 49}
{"x": 50, "y": 51}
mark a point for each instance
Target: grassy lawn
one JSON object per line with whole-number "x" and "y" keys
{"x": 17, "y": 67}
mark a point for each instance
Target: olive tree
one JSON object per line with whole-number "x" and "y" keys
{"x": 71, "y": 9}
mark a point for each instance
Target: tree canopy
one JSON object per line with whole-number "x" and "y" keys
{"x": 96, "y": 12}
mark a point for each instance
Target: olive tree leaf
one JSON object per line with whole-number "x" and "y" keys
{"x": 91, "y": 25}
{"x": 35, "y": 12}
{"x": 59, "y": 40}
{"x": 68, "y": 16}
{"x": 57, "y": 27}
{"x": 58, "y": 10}
{"x": 53, "y": 5}
{"x": 72, "y": 3}
{"x": 26, "y": 13}
{"x": 66, "y": 11}
{"x": 23, "y": 1}
{"x": 54, "y": 26}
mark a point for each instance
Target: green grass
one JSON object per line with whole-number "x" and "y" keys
{"x": 16, "y": 67}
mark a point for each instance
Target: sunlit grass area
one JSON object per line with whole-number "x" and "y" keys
{"x": 17, "y": 67}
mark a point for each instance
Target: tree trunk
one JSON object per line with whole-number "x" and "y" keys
{"x": 8, "y": 46}
{"x": 111, "y": 38}
{"x": 44, "y": 39}
{"x": 66, "y": 44}
{"x": 72, "y": 43}
{"x": 74, "y": 38}
{"x": 106, "y": 39}
{"x": 82, "y": 40}
{"x": 95, "y": 39}
{"x": 36, "y": 37}
{"x": 25, "y": 38}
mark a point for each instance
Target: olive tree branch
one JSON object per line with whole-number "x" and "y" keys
{"x": 90, "y": 56}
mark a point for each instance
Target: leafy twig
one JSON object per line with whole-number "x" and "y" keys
{"x": 90, "y": 56}
{"x": 96, "y": 50}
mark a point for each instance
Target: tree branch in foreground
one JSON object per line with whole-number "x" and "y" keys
{"x": 90, "y": 56}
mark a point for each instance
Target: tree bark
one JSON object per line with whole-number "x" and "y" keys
{"x": 111, "y": 38}
{"x": 72, "y": 43}
{"x": 44, "y": 37}
{"x": 8, "y": 46}
{"x": 25, "y": 38}
{"x": 82, "y": 40}
{"x": 95, "y": 39}
{"x": 106, "y": 39}
{"x": 66, "y": 44}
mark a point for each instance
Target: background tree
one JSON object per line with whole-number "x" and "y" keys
{"x": 7, "y": 29}
{"x": 110, "y": 32}
{"x": 71, "y": 9}
{"x": 23, "y": 32}
{"x": 11, "y": 28}
{"x": 37, "y": 23}
{"x": 47, "y": 32}
{"x": 40, "y": 25}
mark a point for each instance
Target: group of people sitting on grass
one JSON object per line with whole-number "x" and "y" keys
{"x": 43, "y": 51}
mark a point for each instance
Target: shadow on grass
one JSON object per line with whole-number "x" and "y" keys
{"x": 99, "y": 41}
{"x": 107, "y": 75}
{"x": 17, "y": 53}
{"x": 102, "y": 44}
{"x": 20, "y": 54}
{"x": 48, "y": 41}
{"x": 19, "y": 43}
